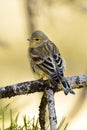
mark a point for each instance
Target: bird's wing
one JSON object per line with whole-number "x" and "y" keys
{"x": 55, "y": 61}
{"x": 59, "y": 65}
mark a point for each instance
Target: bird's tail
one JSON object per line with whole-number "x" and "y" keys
{"x": 67, "y": 88}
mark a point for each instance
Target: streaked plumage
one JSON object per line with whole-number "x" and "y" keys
{"x": 46, "y": 60}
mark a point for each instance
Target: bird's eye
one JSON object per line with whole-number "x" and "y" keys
{"x": 37, "y": 39}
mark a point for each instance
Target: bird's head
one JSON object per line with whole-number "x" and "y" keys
{"x": 37, "y": 38}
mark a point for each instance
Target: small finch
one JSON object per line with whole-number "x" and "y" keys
{"x": 46, "y": 60}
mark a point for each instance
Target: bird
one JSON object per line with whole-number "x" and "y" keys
{"x": 46, "y": 60}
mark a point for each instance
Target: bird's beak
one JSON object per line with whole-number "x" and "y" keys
{"x": 29, "y": 39}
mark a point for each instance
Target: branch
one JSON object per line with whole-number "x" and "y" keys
{"x": 43, "y": 86}
{"x": 51, "y": 108}
{"x": 48, "y": 98}
{"x": 42, "y": 111}
{"x": 28, "y": 87}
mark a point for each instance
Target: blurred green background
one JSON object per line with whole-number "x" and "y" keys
{"x": 65, "y": 23}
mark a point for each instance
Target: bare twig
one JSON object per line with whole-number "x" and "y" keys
{"x": 51, "y": 108}
{"x": 41, "y": 86}
{"x": 42, "y": 111}
{"x": 28, "y": 87}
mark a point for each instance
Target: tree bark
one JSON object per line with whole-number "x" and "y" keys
{"x": 76, "y": 82}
